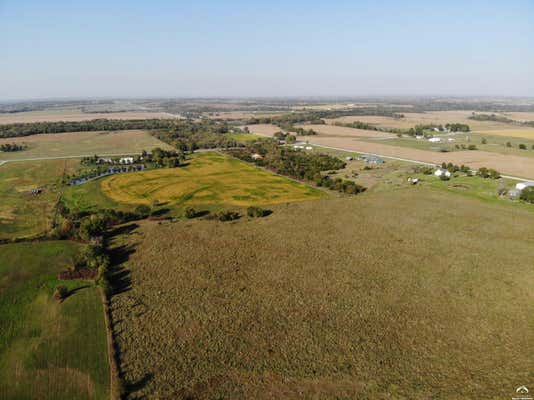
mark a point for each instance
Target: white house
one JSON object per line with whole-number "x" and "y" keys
{"x": 440, "y": 172}
{"x": 309, "y": 148}
{"x": 523, "y": 185}
{"x": 126, "y": 160}
{"x": 434, "y": 140}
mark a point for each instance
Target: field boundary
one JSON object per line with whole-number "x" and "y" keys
{"x": 516, "y": 178}
{"x": 114, "y": 377}
{"x": 68, "y": 157}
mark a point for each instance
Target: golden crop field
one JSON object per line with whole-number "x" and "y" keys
{"x": 511, "y": 131}
{"x": 77, "y": 115}
{"x": 207, "y": 179}
{"x": 82, "y": 143}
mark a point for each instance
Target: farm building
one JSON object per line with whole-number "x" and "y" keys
{"x": 256, "y": 156}
{"x": 126, "y": 160}
{"x": 441, "y": 172}
{"x": 348, "y": 158}
{"x": 514, "y": 192}
{"x": 373, "y": 160}
{"x": 523, "y": 185}
{"x": 309, "y": 148}
{"x": 434, "y": 140}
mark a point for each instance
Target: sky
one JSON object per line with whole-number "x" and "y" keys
{"x": 234, "y": 48}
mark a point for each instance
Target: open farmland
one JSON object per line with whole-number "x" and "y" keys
{"x": 341, "y": 131}
{"x": 49, "y": 350}
{"x": 24, "y": 214}
{"x": 443, "y": 117}
{"x": 76, "y": 115}
{"x": 82, "y": 143}
{"x": 264, "y": 129}
{"x": 386, "y": 295}
{"x": 507, "y": 164}
{"x": 207, "y": 180}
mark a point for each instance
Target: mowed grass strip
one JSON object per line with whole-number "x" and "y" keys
{"x": 411, "y": 294}
{"x": 207, "y": 179}
{"x": 82, "y": 143}
{"x": 49, "y": 350}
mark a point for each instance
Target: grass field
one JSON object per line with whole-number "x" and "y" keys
{"x": 82, "y": 143}
{"x": 413, "y": 294}
{"x": 209, "y": 180}
{"x": 21, "y": 213}
{"x": 49, "y": 350}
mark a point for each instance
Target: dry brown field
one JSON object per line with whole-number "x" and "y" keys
{"x": 75, "y": 115}
{"x": 506, "y": 164}
{"x": 242, "y": 115}
{"x": 435, "y": 117}
{"x": 263, "y": 129}
{"x": 519, "y": 116}
{"x": 411, "y": 294}
{"x": 341, "y": 131}
{"x": 82, "y": 143}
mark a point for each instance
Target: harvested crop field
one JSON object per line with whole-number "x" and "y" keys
{"x": 76, "y": 115}
{"x": 409, "y": 294}
{"x": 264, "y": 129}
{"x": 207, "y": 179}
{"x": 341, "y": 131}
{"x": 506, "y": 164}
{"x": 82, "y": 143}
{"x": 433, "y": 117}
{"x": 513, "y": 131}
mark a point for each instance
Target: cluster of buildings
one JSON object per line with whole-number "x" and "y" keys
{"x": 519, "y": 187}
{"x": 117, "y": 169}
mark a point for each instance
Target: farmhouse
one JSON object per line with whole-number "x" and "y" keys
{"x": 126, "y": 160}
{"x": 524, "y": 185}
{"x": 434, "y": 140}
{"x": 442, "y": 172}
{"x": 373, "y": 160}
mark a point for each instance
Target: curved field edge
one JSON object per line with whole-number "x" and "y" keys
{"x": 49, "y": 350}
{"x": 208, "y": 179}
{"x": 396, "y": 295}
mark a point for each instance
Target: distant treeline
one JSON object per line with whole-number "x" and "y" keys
{"x": 11, "y": 147}
{"x": 369, "y": 127}
{"x": 32, "y": 128}
{"x": 499, "y": 118}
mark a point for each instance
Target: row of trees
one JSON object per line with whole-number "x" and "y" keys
{"x": 11, "y": 147}
{"x": 298, "y": 164}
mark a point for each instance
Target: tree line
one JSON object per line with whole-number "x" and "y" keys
{"x": 298, "y": 165}
{"x": 11, "y": 147}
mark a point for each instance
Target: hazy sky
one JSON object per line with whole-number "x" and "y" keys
{"x": 265, "y": 48}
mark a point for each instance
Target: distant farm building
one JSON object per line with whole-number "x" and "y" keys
{"x": 126, "y": 160}
{"x": 309, "y": 148}
{"x": 514, "y": 192}
{"x": 348, "y": 158}
{"x": 373, "y": 160}
{"x": 523, "y": 185}
{"x": 257, "y": 156}
{"x": 442, "y": 172}
{"x": 434, "y": 140}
